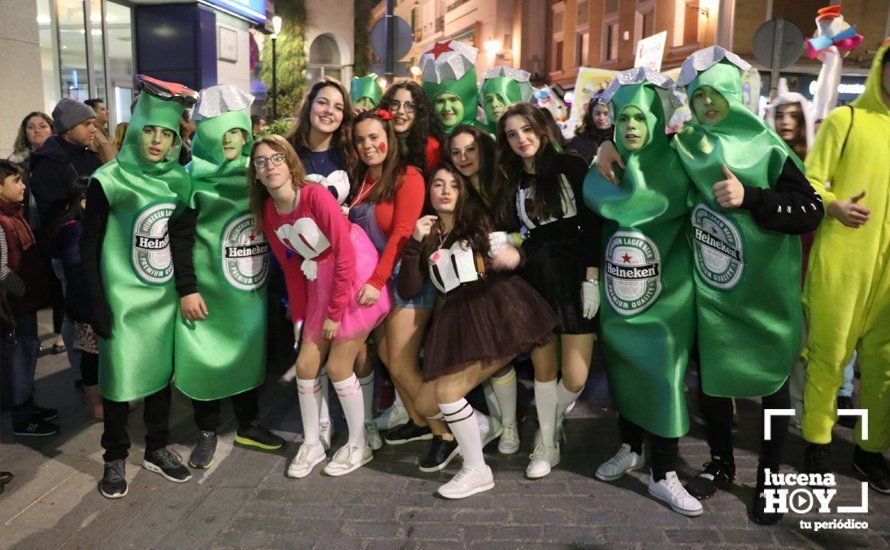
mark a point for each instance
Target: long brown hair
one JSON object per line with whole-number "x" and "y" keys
{"x": 471, "y": 220}
{"x": 393, "y": 164}
{"x": 486, "y": 145}
{"x": 255, "y": 189}
{"x": 547, "y": 199}
{"x": 426, "y": 123}
{"x": 342, "y": 137}
{"x": 798, "y": 143}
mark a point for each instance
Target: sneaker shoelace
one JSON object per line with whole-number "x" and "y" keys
{"x": 461, "y": 475}
{"x": 168, "y": 458}
{"x": 115, "y": 470}
{"x": 540, "y": 453}
{"x": 343, "y": 455}
{"x": 622, "y": 455}
{"x": 510, "y": 432}
{"x": 674, "y": 486}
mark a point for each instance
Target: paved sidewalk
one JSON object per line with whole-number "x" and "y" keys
{"x": 245, "y": 500}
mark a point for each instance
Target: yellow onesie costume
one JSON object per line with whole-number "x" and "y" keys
{"x": 847, "y": 292}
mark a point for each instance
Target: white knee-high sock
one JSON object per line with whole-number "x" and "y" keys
{"x": 324, "y": 411}
{"x": 545, "y": 403}
{"x": 308, "y": 393}
{"x": 460, "y": 417}
{"x": 504, "y": 388}
{"x": 350, "y": 393}
{"x": 491, "y": 400}
{"x": 565, "y": 398}
{"x": 368, "y": 395}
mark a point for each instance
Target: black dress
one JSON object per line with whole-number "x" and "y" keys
{"x": 559, "y": 251}
{"x": 498, "y": 316}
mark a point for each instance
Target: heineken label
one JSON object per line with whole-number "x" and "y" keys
{"x": 633, "y": 272}
{"x": 717, "y": 244}
{"x": 245, "y": 254}
{"x": 151, "y": 244}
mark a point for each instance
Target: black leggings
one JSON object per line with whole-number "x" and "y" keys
{"x": 89, "y": 368}
{"x": 717, "y": 412}
{"x": 208, "y": 415}
{"x": 663, "y": 451}
{"x": 156, "y": 414}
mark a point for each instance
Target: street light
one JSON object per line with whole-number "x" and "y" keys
{"x": 276, "y": 28}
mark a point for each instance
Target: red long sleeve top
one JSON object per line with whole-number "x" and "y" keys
{"x": 396, "y": 219}
{"x": 317, "y": 204}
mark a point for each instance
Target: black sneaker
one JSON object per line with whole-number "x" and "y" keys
{"x": 757, "y": 511}
{"x": 844, "y": 402}
{"x": 36, "y": 427}
{"x": 441, "y": 453}
{"x": 114, "y": 482}
{"x": 202, "y": 454}
{"x": 873, "y": 467}
{"x": 167, "y": 463}
{"x": 44, "y": 413}
{"x": 815, "y": 459}
{"x": 256, "y": 436}
{"x": 406, "y": 433}
{"x": 718, "y": 474}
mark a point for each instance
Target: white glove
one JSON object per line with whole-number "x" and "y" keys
{"x": 498, "y": 240}
{"x": 590, "y": 298}
{"x": 310, "y": 269}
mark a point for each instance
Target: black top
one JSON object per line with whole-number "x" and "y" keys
{"x": 95, "y": 222}
{"x": 53, "y": 167}
{"x": 792, "y": 206}
{"x": 182, "y": 248}
{"x": 585, "y": 225}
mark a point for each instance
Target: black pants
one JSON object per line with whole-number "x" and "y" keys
{"x": 663, "y": 451}
{"x": 246, "y": 405}
{"x": 26, "y": 327}
{"x": 89, "y": 368}
{"x": 156, "y": 415}
{"x": 717, "y": 412}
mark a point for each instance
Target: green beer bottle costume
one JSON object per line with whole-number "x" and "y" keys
{"x": 747, "y": 267}
{"x": 364, "y": 91}
{"x": 135, "y": 262}
{"x": 224, "y": 354}
{"x": 449, "y": 68}
{"x": 502, "y": 87}
{"x": 648, "y": 326}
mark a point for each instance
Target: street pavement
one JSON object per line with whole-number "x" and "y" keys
{"x": 245, "y": 501}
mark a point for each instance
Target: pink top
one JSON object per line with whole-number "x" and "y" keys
{"x": 318, "y": 205}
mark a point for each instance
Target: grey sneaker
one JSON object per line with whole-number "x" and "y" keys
{"x": 202, "y": 455}
{"x": 114, "y": 482}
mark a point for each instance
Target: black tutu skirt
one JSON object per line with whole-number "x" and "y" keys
{"x": 500, "y": 316}
{"x": 555, "y": 268}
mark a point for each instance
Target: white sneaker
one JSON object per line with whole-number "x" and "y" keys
{"x": 490, "y": 428}
{"x": 509, "y": 442}
{"x": 372, "y": 436}
{"x": 672, "y": 492}
{"x": 349, "y": 458}
{"x": 308, "y": 457}
{"x": 543, "y": 459}
{"x": 326, "y": 432}
{"x": 624, "y": 461}
{"x": 392, "y": 417}
{"x": 468, "y": 481}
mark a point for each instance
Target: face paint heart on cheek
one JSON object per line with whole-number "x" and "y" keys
{"x": 382, "y": 147}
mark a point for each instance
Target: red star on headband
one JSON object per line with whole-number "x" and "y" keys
{"x": 441, "y": 47}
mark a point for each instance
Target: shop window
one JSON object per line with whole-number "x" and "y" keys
{"x": 610, "y": 40}
{"x": 582, "y": 47}
{"x": 73, "y": 76}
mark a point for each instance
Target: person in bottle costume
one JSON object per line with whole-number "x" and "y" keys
{"x": 449, "y": 79}
{"x": 221, "y": 327}
{"x": 502, "y": 87}
{"x": 365, "y": 92}
{"x": 125, "y": 249}
{"x": 752, "y": 202}
{"x": 648, "y": 327}
{"x": 847, "y": 292}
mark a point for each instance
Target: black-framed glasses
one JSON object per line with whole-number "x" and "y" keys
{"x": 394, "y": 106}
{"x": 274, "y": 160}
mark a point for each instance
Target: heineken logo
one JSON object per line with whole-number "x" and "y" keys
{"x": 719, "y": 257}
{"x": 151, "y": 244}
{"x": 245, "y": 254}
{"x": 633, "y": 272}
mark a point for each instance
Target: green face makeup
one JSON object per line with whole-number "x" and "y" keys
{"x": 495, "y": 105}
{"x": 632, "y": 129}
{"x": 450, "y": 109}
{"x": 155, "y": 142}
{"x": 709, "y": 106}
{"x": 365, "y": 103}
{"x": 233, "y": 143}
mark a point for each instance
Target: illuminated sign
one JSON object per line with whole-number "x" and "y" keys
{"x": 255, "y": 10}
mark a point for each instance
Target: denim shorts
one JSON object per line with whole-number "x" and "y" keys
{"x": 425, "y": 300}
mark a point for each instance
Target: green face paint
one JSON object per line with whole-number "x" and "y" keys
{"x": 632, "y": 129}
{"x": 365, "y": 103}
{"x": 709, "y": 105}
{"x": 495, "y": 105}
{"x": 450, "y": 109}
{"x": 233, "y": 143}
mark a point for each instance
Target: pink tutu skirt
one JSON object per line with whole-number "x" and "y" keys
{"x": 357, "y": 319}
